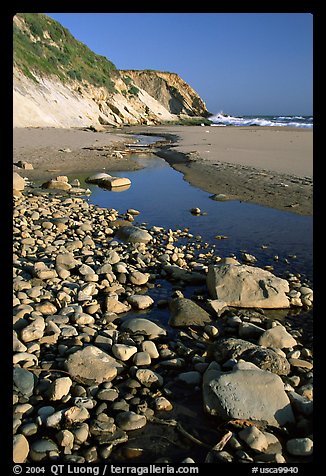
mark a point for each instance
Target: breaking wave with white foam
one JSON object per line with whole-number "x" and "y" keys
{"x": 222, "y": 119}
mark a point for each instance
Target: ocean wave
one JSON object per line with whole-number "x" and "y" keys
{"x": 270, "y": 121}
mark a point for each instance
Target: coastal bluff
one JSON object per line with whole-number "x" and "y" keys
{"x": 59, "y": 82}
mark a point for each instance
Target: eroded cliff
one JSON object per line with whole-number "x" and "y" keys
{"x": 60, "y": 82}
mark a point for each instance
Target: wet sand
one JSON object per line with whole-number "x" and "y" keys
{"x": 269, "y": 166}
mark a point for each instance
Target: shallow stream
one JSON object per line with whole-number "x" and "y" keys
{"x": 281, "y": 239}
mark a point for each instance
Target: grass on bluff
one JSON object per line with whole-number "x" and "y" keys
{"x": 50, "y": 49}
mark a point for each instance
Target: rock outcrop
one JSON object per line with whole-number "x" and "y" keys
{"x": 59, "y": 82}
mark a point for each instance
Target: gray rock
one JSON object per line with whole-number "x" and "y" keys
{"x": 65, "y": 438}
{"x": 108, "y": 181}
{"x": 56, "y": 185}
{"x": 190, "y": 378}
{"x": 59, "y": 388}
{"x": 23, "y": 381}
{"x": 247, "y": 330}
{"x": 138, "y": 278}
{"x": 113, "y": 305}
{"x": 246, "y": 286}
{"x": 141, "y": 359}
{"x": 34, "y": 330}
{"x": 20, "y": 449}
{"x": 43, "y": 448}
{"x": 140, "y": 301}
{"x": 150, "y": 347}
{"x": 180, "y": 274}
{"x": 248, "y": 393}
{"x": 185, "y": 312}
{"x": 128, "y": 421}
{"x": 254, "y": 438}
{"x": 148, "y": 377}
{"x": 123, "y": 352}
{"x": 266, "y": 359}
{"x": 133, "y": 234}
{"x": 80, "y": 432}
{"x": 277, "y": 337}
{"x": 300, "y": 446}
{"x": 144, "y": 327}
{"x": 92, "y": 366}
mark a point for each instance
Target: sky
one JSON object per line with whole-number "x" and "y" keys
{"x": 239, "y": 63}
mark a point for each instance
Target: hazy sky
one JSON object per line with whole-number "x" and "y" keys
{"x": 241, "y": 63}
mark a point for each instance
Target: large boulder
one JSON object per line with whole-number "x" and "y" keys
{"x": 247, "y": 393}
{"x": 246, "y": 286}
{"x": 185, "y": 312}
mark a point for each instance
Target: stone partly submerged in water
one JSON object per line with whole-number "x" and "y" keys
{"x": 185, "y": 312}
{"x": 108, "y": 181}
{"x": 246, "y": 286}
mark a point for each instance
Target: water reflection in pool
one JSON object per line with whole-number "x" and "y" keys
{"x": 164, "y": 198}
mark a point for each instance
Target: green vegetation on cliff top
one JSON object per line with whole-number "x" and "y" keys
{"x": 45, "y": 47}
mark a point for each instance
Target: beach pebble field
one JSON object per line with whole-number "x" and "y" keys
{"x": 142, "y": 344}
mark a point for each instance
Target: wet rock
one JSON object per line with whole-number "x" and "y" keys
{"x": 248, "y": 393}
{"x": 246, "y": 286}
{"x": 92, "y": 366}
{"x": 185, "y": 312}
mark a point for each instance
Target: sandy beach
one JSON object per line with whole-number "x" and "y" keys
{"x": 271, "y": 166}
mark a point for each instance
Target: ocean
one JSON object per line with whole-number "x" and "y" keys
{"x": 222, "y": 119}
